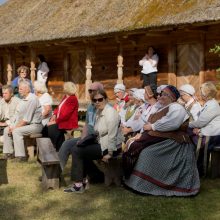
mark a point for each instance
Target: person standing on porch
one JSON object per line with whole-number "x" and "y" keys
{"x": 149, "y": 72}
{"x": 42, "y": 69}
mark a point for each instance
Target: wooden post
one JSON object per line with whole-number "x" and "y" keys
{"x": 9, "y": 69}
{"x": 120, "y": 66}
{"x": 88, "y": 73}
{"x": 33, "y": 68}
{"x": 171, "y": 65}
{"x": 201, "y": 78}
{"x": 66, "y": 62}
{"x": 172, "y": 79}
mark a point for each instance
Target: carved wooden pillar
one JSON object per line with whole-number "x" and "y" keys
{"x": 88, "y": 73}
{"x": 120, "y": 66}
{"x": 9, "y": 69}
{"x": 32, "y": 63}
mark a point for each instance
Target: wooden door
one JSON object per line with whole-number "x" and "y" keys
{"x": 189, "y": 62}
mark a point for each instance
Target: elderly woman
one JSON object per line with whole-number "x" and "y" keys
{"x": 208, "y": 121}
{"x": 109, "y": 142}
{"x": 163, "y": 156}
{"x": 191, "y": 105}
{"x": 23, "y": 72}
{"x": 128, "y": 114}
{"x": 45, "y": 100}
{"x": 65, "y": 116}
{"x": 121, "y": 97}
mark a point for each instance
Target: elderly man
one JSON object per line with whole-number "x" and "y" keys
{"x": 27, "y": 121}
{"x": 8, "y": 107}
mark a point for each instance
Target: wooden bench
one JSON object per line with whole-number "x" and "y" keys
{"x": 112, "y": 170}
{"x": 50, "y": 164}
{"x": 215, "y": 162}
{"x": 30, "y": 144}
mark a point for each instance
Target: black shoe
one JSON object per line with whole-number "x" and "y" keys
{"x": 8, "y": 156}
{"x": 74, "y": 189}
{"x": 20, "y": 159}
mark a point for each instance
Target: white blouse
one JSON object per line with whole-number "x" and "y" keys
{"x": 209, "y": 119}
{"x": 172, "y": 120}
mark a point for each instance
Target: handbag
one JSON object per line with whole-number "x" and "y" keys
{"x": 88, "y": 140}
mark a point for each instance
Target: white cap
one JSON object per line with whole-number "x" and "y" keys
{"x": 160, "y": 88}
{"x": 119, "y": 87}
{"x": 132, "y": 90}
{"x": 139, "y": 94}
{"x": 188, "y": 89}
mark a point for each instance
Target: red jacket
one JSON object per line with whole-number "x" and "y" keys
{"x": 68, "y": 115}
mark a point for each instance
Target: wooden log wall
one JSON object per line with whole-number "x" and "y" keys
{"x": 67, "y": 61}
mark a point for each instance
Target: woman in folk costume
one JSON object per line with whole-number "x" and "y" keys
{"x": 121, "y": 97}
{"x": 189, "y": 101}
{"x": 130, "y": 121}
{"x": 162, "y": 160}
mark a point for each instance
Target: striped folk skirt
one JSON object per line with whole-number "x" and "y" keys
{"x": 166, "y": 169}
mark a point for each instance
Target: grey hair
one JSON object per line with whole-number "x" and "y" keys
{"x": 24, "y": 82}
{"x": 40, "y": 87}
{"x": 8, "y": 87}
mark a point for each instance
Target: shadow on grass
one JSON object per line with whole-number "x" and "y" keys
{"x": 8, "y": 208}
{"x": 3, "y": 172}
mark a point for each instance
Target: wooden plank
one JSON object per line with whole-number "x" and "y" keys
{"x": 46, "y": 151}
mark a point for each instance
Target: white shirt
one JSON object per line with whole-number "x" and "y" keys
{"x": 172, "y": 120}
{"x": 44, "y": 100}
{"x": 209, "y": 119}
{"x": 149, "y": 65}
{"x": 42, "y": 72}
{"x": 195, "y": 109}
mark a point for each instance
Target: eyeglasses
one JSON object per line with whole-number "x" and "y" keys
{"x": 98, "y": 100}
{"x": 159, "y": 94}
{"x": 91, "y": 91}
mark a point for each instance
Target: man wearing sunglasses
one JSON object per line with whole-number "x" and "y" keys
{"x": 88, "y": 128}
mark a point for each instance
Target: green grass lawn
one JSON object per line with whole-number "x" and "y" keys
{"x": 22, "y": 198}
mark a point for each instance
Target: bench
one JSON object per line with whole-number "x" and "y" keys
{"x": 112, "y": 170}
{"x": 50, "y": 164}
{"x": 30, "y": 144}
{"x": 215, "y": 162}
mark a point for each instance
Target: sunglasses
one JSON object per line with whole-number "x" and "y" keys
{"x": 98, "y": 100}
{"x": 164, "y": 94}
{"x": 91, "y": 91}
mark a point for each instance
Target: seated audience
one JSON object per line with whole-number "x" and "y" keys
{"x": 162, "y": 160}
{"x": 27, "y": 120}
{"x": 121, "y": 97}
{"x": 23, "y": 72}
{"x": 45, "y": 100}
{"x": 189, "y": 101}
{"x": 65, "y": 116}
{"x": 109, "y": 141}
{"x": 66, "y": 148}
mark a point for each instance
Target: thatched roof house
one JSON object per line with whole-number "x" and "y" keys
{"x": 109, "y": 37}
{"x": 24, "y": 21}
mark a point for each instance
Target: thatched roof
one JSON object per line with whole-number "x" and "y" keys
{"x": 23, "y": 21}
